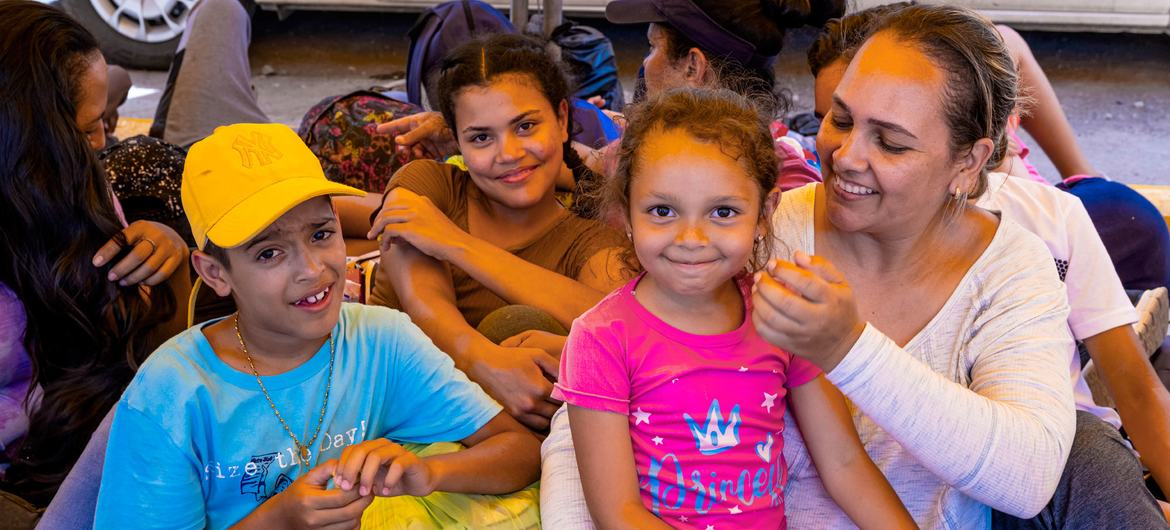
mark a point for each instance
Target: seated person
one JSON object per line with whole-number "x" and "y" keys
{"x": 1100, "y": 314}
{"x": 244, "y": 421}
{"x": 459, "y": 244}
{"x": 84, "y": 297}
{"x": 642, "y": 367}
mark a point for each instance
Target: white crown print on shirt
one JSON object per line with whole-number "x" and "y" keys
{"x": 715, "y": 437}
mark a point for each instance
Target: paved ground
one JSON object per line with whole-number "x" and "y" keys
{"x": 1114, "y": 87}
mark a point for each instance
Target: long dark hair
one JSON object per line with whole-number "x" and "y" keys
{"x": 478, "y": 62}
{"x": 85, "y": 335}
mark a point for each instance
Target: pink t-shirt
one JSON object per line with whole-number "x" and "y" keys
{"x": 706, "y": 412}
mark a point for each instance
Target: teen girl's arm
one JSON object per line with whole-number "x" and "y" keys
{"x": 1142, "y": 400}
{"x": 847, "y": 472}
{"x": 519, "y": 378}
{"x": 608, "y": 475}
{"x": 501, "y": 457}
{"x": 415, "y": 219}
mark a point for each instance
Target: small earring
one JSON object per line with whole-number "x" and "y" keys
{"x": 957, "y": 193}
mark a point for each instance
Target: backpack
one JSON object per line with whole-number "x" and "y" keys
{"x": 438, "y": 31}
{"x": 591, "y": 126}
{"x": 340, "y": 130}
{"x": 145, "y": 174}
{"x": 589, "y": 60}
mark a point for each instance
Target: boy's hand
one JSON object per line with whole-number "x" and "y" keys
{"x": 382, "y": 467}
{"x": 520, "y": 379}
{"x": 423, "y": 135}
{"x": 307, "y": 504}
{"x": 156, "y": 251}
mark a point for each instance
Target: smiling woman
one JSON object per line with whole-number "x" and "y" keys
{"x": 943, "y": 324}
{"x": 459, "y": 244}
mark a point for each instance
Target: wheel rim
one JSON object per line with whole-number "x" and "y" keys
{"x": 145, "y": 20}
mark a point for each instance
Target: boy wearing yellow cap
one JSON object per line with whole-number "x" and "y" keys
{"x": 245, "y": 420}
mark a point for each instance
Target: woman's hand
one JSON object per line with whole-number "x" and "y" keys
{"x": 156, "y": 251}
{"x": 414, "y": 219}
{"x": 423, "y": 135}
{"x": 806, "y": 308}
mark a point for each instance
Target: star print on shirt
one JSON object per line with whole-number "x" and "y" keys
{"x": 769, "y": 401}
{"x": 710, "y": 527}
{"x": 641, "y": 417}
{"x": 735, "y": 510}
{"x": 682, "y": 518}
{"x": 657, "y": 440}
{"x": 743, "y": 368}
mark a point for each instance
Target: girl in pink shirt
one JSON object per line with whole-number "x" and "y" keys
{"x": 676, "y": 405}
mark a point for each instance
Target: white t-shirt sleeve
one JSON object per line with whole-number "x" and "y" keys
{"x": 1096, "y": 298}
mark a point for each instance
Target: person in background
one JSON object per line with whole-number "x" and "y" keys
{"x": 85, "y": 297}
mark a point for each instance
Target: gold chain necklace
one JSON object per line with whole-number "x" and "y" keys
{"x": 302, "y": 449}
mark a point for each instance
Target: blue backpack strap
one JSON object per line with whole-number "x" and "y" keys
{"x": 593, "y": 127}
{"x": 421, "y": 34}
{"x": 589, "y": 59}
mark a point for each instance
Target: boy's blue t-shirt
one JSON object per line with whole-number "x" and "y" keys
{"x": 195, "y": 443}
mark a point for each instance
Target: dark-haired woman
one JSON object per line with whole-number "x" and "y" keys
{"x": 458, "y": 244}
{"x": 85, "y": 297}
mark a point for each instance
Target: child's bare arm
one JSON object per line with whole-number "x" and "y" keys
{"x": 308, "y": 504}
{"x": 501, "y": 457}
{"x": 847, "y": 472}
{"x": 519, "y": 378}
{"x": 1142, "y": 400}
{"x": 608, "y": 476}
{"x": 1044, "y": 119}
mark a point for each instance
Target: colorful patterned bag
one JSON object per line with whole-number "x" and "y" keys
{"x": 340, "y": 130}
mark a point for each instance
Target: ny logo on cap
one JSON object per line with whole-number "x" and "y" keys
{"x": 257, "y": 147}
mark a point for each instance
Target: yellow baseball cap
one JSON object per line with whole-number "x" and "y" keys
{"x": 243, "y": 177}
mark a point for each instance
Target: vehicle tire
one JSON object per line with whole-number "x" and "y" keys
{"x": 134, "y": 33}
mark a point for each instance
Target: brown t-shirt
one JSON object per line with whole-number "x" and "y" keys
{"x": 564, "y": 248}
